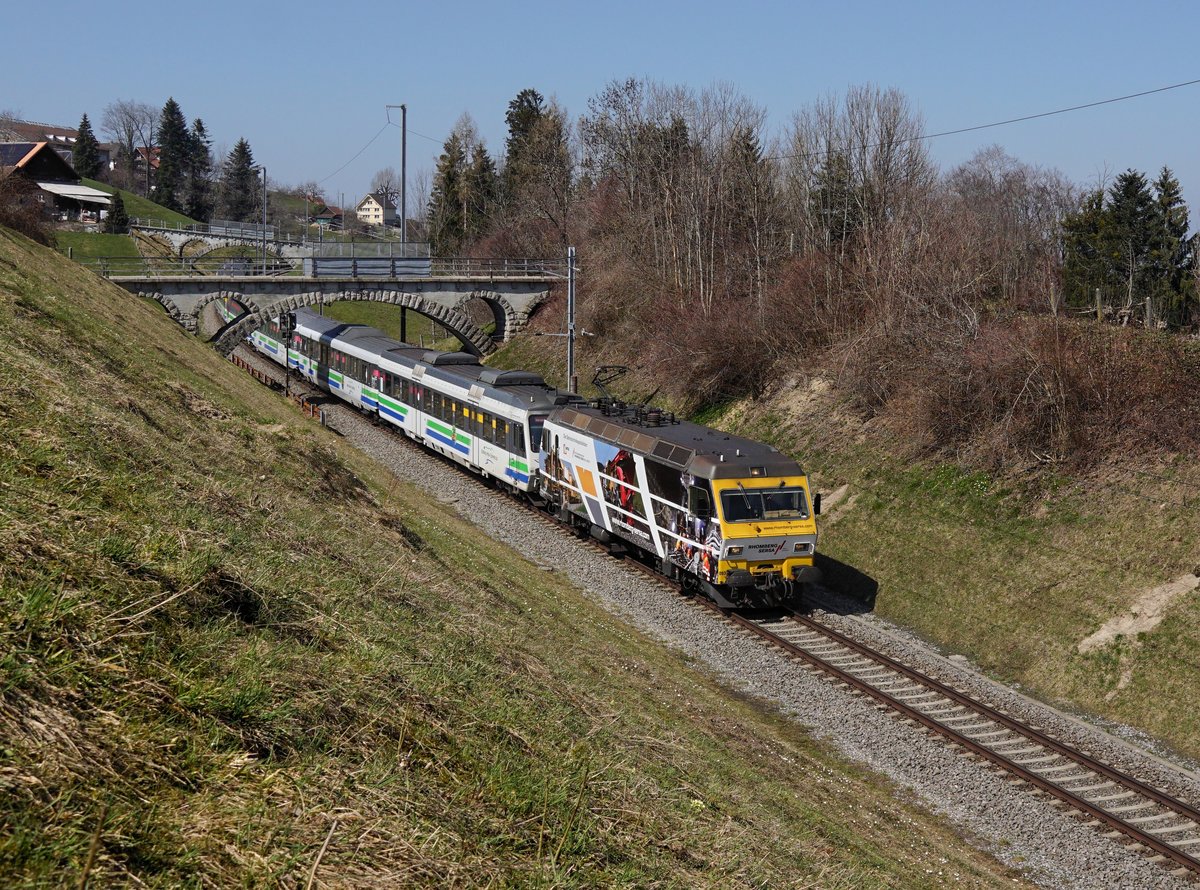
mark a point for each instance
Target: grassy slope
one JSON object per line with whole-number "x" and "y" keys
{"x": 93, "y": 245}
{"x": 998, "y": 569}
{"x": 136, "y": 205}
{"x": 419, "y": 329}
{"x": 227, "y": 639}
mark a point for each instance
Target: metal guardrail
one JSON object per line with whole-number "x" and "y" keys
{"x": 327, "y": 267}
{"x": 173, "y": 267}
{"x": 218, "y": 228}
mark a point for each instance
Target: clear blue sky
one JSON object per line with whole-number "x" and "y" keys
{"x": 307, "y": 83}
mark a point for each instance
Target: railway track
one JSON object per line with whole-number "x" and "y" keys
{"x": 1149, "y": 821}
{"x": 1160, "y": 826}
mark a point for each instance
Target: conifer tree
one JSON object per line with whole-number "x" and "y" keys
{"x": 1085, "y": 266}
{"x": 117, "y": 221}
{"x": 199, "y": 201}
{"x": 239, "y": 193}
{"x": 524, "y": 113}
{"x": 1132, "y": 229}
{"x": 480, "y": 192}
{"x": 174, "y": 153}
{"x": 85, "y": 157}
{"x": 446, "y": 224}
{"x": 1171, "y": 252}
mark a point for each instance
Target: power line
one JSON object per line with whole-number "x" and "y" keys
{"x": 413, "y": 132}
{"x": 370, "y": 142}
{"x": 1013, "y": 120}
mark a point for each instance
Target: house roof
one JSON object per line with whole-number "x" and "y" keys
{"x": 14, "y": 154}
{"x": 76, "y": 192}
{"x": 153, "y": 153}
{"x": 33, "y": 131}
{"x": 379, "y": 198}
{"x": 38, "y": 156}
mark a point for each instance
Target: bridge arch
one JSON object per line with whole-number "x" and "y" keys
{"x": 505, "y": 317}
{"x": 473, "y": 339}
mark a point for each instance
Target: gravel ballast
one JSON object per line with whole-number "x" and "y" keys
{"x": 1021, "y": 827}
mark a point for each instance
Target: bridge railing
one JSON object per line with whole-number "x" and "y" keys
{"x": 174, "y": 267}
{"x": 218, "y": 228}
{"x": 327, "y": 267}
{"x": 489, "y": 267}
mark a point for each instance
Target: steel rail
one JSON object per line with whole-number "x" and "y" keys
{"x": 1133, "y": 832}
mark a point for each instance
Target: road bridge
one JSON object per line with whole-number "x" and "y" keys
{"x": 214, "y": 235}
{"x": 510, "y": 297}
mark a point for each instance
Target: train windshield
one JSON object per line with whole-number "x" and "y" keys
{"x": 535, "y": 431}
{"x": 743, "y": 504}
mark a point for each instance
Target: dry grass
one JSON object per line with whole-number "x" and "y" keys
{"x": 233, "y": 652}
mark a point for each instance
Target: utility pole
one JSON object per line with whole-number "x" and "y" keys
{"x": 403, "y": 173}
{"x": 572, "y": 383}
{"x": 264, "y": 220}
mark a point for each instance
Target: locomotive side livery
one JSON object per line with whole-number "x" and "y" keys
{"x": 728, "y": 516}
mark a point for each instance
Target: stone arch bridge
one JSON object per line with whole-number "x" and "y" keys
{"x": 511, "y": 299}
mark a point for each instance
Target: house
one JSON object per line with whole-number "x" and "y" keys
{"x": 327, "y": 218}
{"x": 61, "y": 138}
{"x": 59, "y": 188}
{"x": 376, "y": 209}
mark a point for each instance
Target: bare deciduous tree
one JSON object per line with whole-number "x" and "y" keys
{"x": 387, "y": 183}
{"x": 132, "y": 125}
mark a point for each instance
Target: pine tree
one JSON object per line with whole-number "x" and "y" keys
{"x": 1171, "y": 254}
{"x": 85, "y": 157}
{"x": 480, "y": 193}
{"x": 1085, "y": 266}
{"x": 1131, "y": 234}
{"x": 524, "y": 113}
{"x": 446, "y": 223}
{"x": 199, "y": 202}
{"x": 117, "y": 221}
{"x": 239, "y": 192}
{"x": 174, "y": 153}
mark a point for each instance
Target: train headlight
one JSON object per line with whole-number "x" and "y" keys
{"x": 733, "y": 551}
{"x": 801, "y": 547}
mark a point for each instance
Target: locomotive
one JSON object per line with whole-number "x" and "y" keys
{"x": 727, "y": 516}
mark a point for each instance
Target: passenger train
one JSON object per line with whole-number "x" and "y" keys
{"x": 726, "y": 516}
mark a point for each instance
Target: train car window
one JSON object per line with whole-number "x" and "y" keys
{"x": 517, "y": 441}
{"x": 535, "y": 431}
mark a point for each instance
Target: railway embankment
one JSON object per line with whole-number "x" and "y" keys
{"x": 236, "y": 651}
{"x": 1077, "y": 585}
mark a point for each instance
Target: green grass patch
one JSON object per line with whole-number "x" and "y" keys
{"x": 420, "y": 330}
{"x": 84, "y": 246}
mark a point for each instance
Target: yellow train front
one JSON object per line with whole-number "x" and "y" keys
{"x": 729, "y": 516}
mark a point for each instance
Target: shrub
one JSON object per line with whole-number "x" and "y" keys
{"x": 21, "y": 210}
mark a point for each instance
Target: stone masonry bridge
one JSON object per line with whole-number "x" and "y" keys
{"x": 511, "y": 299}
